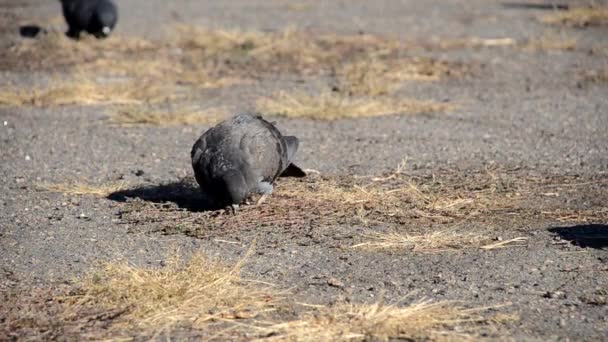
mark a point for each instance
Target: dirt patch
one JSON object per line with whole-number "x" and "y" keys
{"x": 392, "y": 202}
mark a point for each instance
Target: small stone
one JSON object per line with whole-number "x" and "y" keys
{"x": 27, "y": 157}
{"x": 335, "y": 283}
{"x": 5, "y": 123}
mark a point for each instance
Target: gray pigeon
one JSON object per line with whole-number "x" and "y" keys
{"x": 97, "y": 17}
{"x": 241, "y": 156}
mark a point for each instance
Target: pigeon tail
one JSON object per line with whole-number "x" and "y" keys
{"x": 292, "y": 144}
{"x": 293, "y": 170}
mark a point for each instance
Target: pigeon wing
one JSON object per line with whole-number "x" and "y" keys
{"x": 262, "y": 151}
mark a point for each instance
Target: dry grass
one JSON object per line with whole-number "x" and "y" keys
{"x": 375, "y": 77}
{"x": 378, "y": 322}
{"x": 81, "y": 90}
{"x": 332, "y": 106}
{"x": 578, "y": 17}
{"x": 181, "y": 294}
{"x": 138, "y": 115}
{"x": 596, "y": 76}
{"x": 551, "y": 41}
{"x": 474, "y": 43}
{"x": 205, "y": 299}
{"x": 194, "y": 57}
{"x": 597, "y": 215}
{"x": 433, "y": 242}
{"x": 83, "y": 188}
{"x": 147, "y": 71}
{"x": 290, "y": 48}
{"x": 53, "y": 50}
{"x": 297, "y": 205}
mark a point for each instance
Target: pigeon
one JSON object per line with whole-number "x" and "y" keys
{"x": 97, "y": 17}
{"x": 241, "y": 156}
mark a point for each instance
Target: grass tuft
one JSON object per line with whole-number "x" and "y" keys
{"x": 193, "y": 294}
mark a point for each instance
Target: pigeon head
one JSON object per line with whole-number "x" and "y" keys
{"x": 230, "y": 189}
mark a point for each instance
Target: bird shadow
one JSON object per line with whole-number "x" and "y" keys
{"x": 183, "y": 193}
{"x": 586, "y": 236}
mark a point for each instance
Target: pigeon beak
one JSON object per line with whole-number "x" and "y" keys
{"x": 106, "y": 30}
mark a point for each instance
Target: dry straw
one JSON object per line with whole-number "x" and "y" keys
{"x": 83, "y": 188}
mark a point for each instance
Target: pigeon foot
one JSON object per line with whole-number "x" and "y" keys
{"x": 235, "y": 208}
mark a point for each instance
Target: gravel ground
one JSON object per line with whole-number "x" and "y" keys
{"x": 526, "y": 114}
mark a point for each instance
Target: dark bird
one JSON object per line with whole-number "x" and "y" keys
{"x": 97, "y": 17}
{"x": 241, "y": 156}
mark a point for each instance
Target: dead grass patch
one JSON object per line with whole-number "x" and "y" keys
{"x": 290, "y": 49}
{"x": 332, "y": 106}
{"x": 578, "y": 17}
{"x": 139, "y": 115}
{"x": 83, "y": 188}
{"x": 192, "y": 294}
{"x": 81, "y": 90}
{"x": 423, "y": 320}
{"x": 206, "y": 299}
{"x": 297, "y": 205}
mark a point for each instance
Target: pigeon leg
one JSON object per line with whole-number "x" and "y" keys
{"x": 235, "y": 208}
